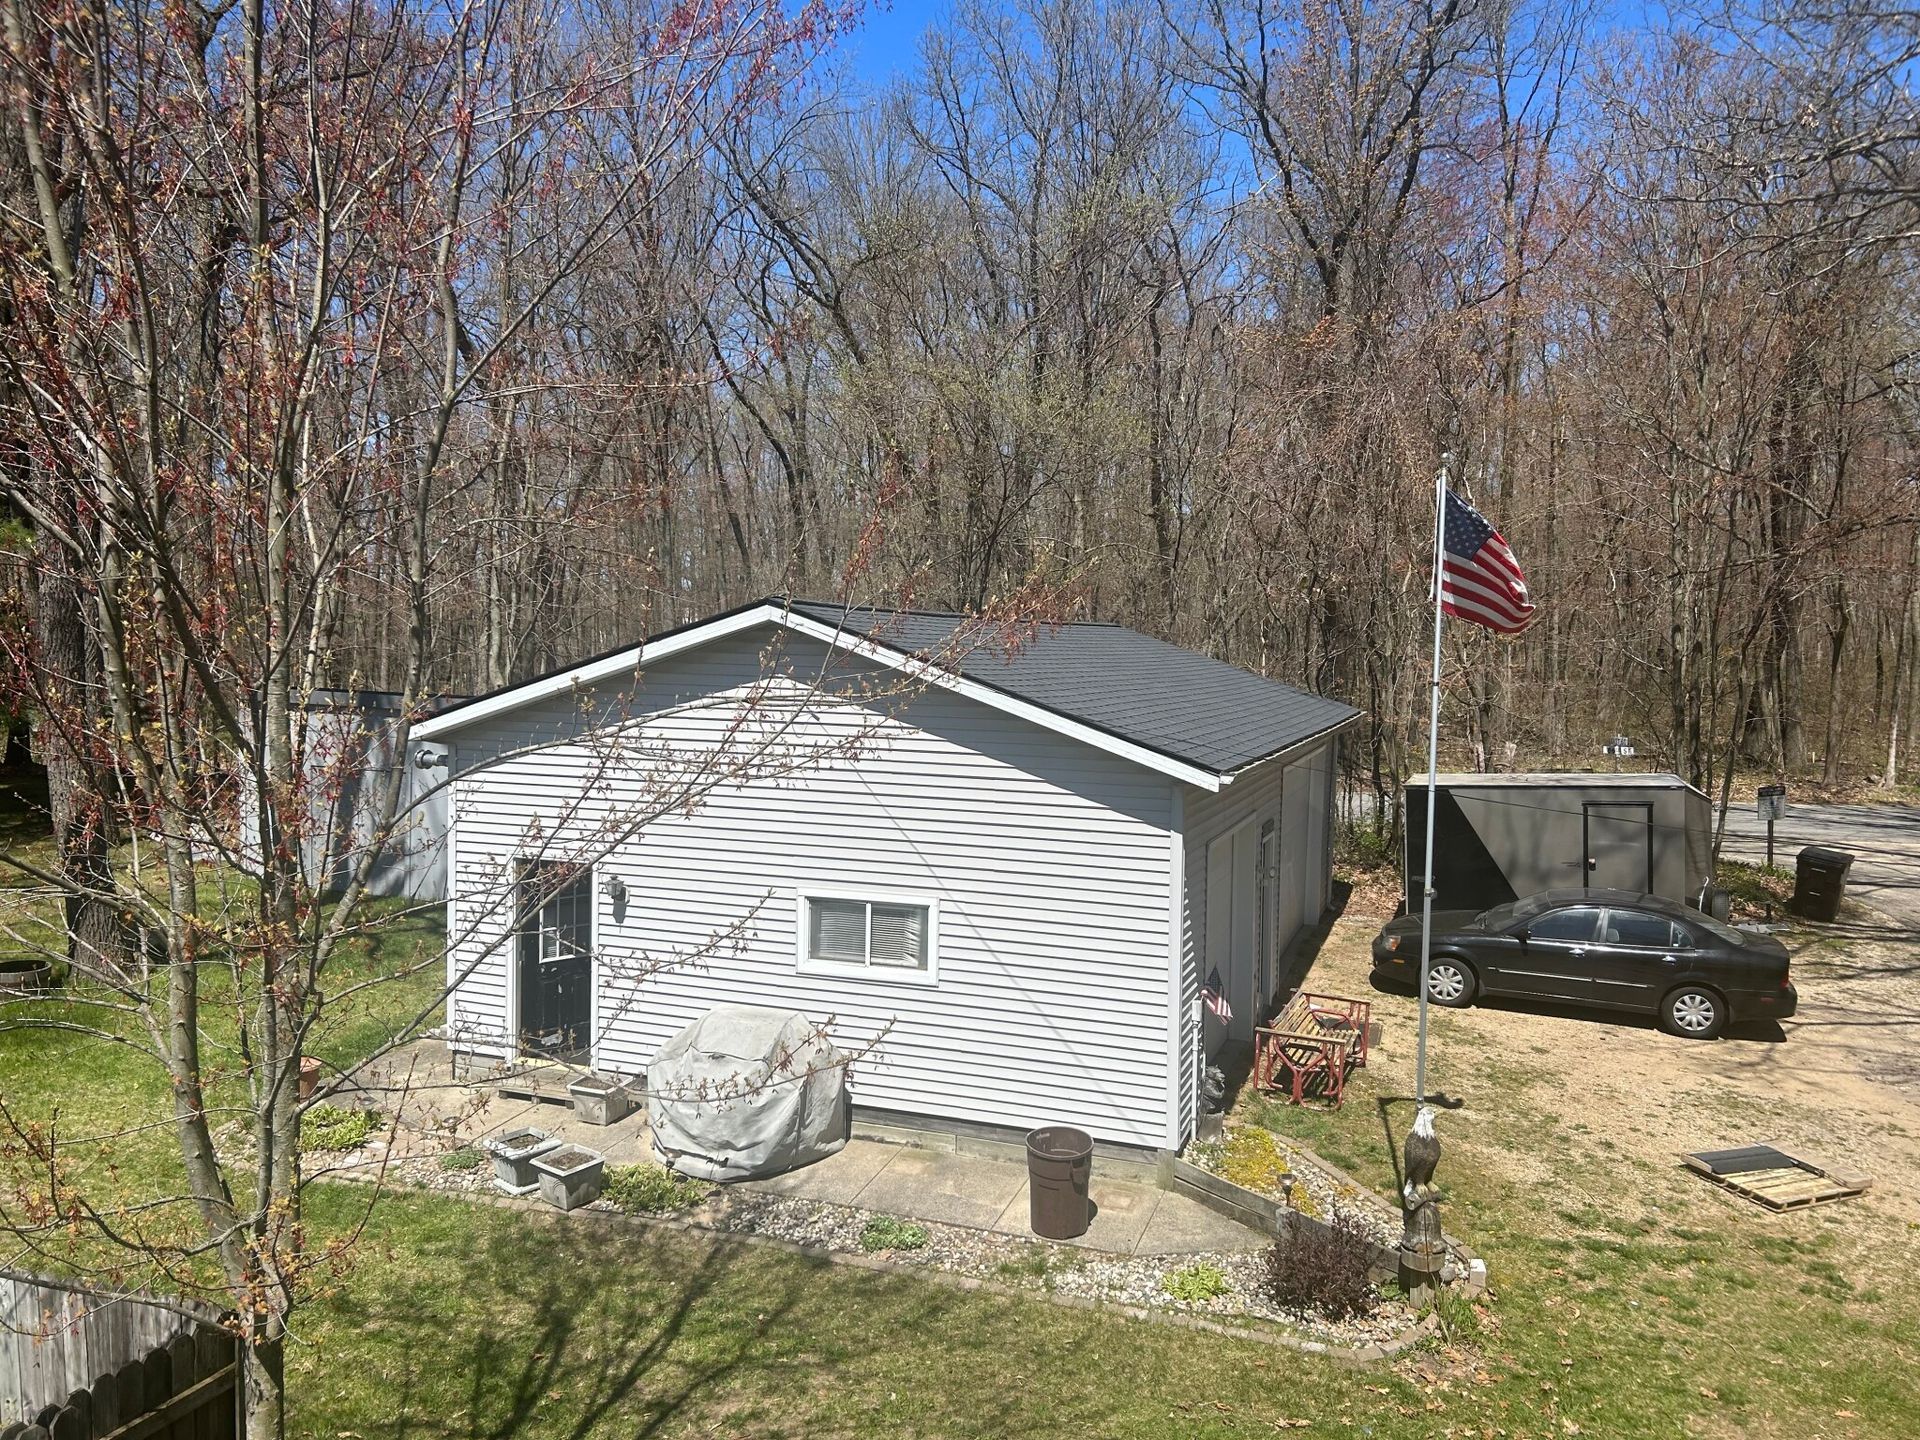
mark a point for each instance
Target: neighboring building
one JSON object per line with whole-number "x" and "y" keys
{"x": 347, "y": 739}
{"x": 1015, "y": 867}
{"x": 1504, "y": 837}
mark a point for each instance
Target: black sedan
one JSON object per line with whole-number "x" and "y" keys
{"x": 1598, "y": 947}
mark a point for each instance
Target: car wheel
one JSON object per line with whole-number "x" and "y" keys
{"x": 1450, "y": 982}
{"x": 1693, "y": 1013}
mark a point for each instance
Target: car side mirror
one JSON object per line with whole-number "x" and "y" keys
{"x": 1521, "y": 934}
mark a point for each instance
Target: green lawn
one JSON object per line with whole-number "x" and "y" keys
{"x": 1639, "y": 1317}
{"x": 105, "y": 1100}
{"x": 1623, "y": 1315}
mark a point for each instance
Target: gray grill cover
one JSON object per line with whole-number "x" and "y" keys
{"x": 745, "y": 1091}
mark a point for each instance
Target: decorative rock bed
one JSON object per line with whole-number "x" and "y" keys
{"x": 1254, "y": 1158}
{"x": 1070, "y": 1273}
{"x": 1014, "y": 1260}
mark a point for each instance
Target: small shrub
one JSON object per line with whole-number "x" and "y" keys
{"x": 461, "y": 1160}
{"x": 1366, "y": 846}
{"x": 1321, "y": 1267}
{"x": 1754, "y": 889}
{"x": 1197, "y": 1283}
{"x": 328, "y": 1127}
{"x": 651, "y": 1189}
{"x": 883, "y": 1232}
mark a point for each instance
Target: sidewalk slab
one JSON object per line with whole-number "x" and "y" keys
{"x": 834, "y": 1180}
{"x": 1121, "y": 1213}
{"x": 947, "y": 1189}
{"x": 1182, "y": 1226}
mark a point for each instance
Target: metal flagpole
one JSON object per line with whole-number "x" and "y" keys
{"x": 1433, "y": 764}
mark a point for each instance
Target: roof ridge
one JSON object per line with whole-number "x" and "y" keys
{"x": 949, "y": 614}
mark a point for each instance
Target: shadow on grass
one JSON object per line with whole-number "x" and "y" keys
{"x": 591, "y": 1326}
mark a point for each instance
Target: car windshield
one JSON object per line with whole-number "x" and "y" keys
{"x": 1501, "y": 916}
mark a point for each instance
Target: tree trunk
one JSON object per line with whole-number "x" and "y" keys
{"x": 266, "y": 1384}
{"x": 1891, "y": 775}
{"x": 67, "y": 657}
{"x": 1841, "y": 623}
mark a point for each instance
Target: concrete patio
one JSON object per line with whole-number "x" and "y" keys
{"x": 935, "y": 1181}
{"x": 958, "y": 1189}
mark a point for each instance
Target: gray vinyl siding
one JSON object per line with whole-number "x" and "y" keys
{"x": 1048, "y": 860}
{"x": 1254, "y": 795}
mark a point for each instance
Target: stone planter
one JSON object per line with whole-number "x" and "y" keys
{"x": 309, "y": 1076}
{"x": 513, "y": 1156}
{"x": 570, "y": 1177}
{"x": 25, "y": 977}
{"x": 600, "y": 1100}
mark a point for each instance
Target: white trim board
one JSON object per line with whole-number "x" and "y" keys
{"x": 626, "y": 662}
{"x": 636, "y": 658}
{"x": 1176, "y": 971}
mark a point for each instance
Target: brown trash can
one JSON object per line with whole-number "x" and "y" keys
{"x": 1059, "y": 1167}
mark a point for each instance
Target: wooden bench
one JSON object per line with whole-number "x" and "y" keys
{"x": 1312, "y": 1043}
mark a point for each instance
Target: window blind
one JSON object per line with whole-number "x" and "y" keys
{"x": 862, "y": 932}
{"x": 899, "y": 935}
{"x": 839, "y": 930}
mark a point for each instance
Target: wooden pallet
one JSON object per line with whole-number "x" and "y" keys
{"x": 545, "y": 1082}
{"x": 1769, "y": 1176}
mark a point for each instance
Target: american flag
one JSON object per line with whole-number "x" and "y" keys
{"x": 1214, "y": 996}
{"x": 1479, "y": 578}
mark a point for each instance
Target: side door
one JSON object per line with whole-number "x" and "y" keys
{"x": 1618, "y": 836}
{"x": 1639, "y": 955}
{"x": 1553, "y": 960}
{"x": 555, "y": 938}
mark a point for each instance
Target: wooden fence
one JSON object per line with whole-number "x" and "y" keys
{"x": 75, "y": 1365}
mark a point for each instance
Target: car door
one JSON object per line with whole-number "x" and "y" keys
{"x": 1639, "y": 953}
{"x": 1553, "y": 958}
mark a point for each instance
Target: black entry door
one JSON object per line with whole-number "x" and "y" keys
{"x": 555, "y": 937}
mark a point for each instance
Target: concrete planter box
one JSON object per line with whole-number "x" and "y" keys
{"x": 570, "y": 1177}
{"x": 598, "y": 1100}
{"x": 513, "y": 1156}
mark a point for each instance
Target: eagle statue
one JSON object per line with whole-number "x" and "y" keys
{"x": 1419, "y": 1159}
{"x": 1423, "y": 1245}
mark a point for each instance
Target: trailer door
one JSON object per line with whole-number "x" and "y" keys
{"x": 1618, "y": 841}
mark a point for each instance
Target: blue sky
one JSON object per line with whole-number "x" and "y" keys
{"x": 887, "y": 39}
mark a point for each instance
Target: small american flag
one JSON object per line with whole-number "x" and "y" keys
{"x": 1213, "y": 995}
{"x": 1479, "y": 578}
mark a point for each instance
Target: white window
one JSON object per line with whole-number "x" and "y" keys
{"x": 892, "y": 938}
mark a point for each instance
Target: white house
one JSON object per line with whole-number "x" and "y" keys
{"x": 1002, "y": 867}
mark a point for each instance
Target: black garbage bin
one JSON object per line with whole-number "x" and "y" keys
{"x": 1059, "y": 1165}
{"x": 1819, "y": 880}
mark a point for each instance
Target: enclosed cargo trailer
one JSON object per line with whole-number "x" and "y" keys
{"x": 1504, "y": 837}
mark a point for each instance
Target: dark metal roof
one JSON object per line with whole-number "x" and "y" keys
{"x": 1185, "y": 705}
